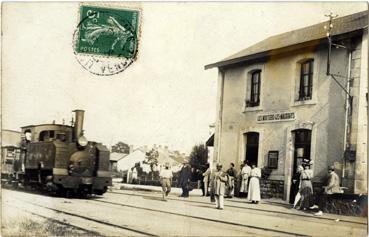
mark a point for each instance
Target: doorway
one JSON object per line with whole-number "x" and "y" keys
{"x": 302, "y": 142}
{"x": 252, "y": 147}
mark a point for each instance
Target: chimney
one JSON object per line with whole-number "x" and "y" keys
{"x": 130, "y": 148}
{"x": 78, "y": 123}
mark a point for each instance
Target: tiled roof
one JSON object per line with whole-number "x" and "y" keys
{"x": 114, "y": 156}
{"x": 341, "y": 25}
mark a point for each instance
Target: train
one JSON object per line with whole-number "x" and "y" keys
{"x": 59, "y": 159}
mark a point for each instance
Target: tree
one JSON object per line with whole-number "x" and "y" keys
{"x": 199, "y": 157}
{"x": 120, "y": 147}
{"x": 152, "y": 159}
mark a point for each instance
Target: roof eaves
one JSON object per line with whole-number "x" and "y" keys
{"x": 346, "y": 24}
{"x": 238, "y": 60}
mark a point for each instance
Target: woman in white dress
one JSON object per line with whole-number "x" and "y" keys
{"x": 254, "y": 185}
{"x": 245, "y": 174}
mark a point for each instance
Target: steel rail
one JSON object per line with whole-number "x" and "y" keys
{"x": 202, "y": 218}
{"x": 90, "y": 219}
{"x": 250, "y": 208}
{"x": 90, "y": 232}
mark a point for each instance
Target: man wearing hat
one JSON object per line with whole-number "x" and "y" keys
{"x": 333, "y": 186}
{"x": 184, "y": 178}
{"x": 166, "y": 175}
{"x": 220, "y": 179}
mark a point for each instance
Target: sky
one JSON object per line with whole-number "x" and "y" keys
{"x": 165, "y": 97}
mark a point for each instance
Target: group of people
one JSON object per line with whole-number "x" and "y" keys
{"x": 302, "y": 188}
{"x": 184, "y": 179}
{"x": 219, "y": 184}
{"x": 222, "y": 183}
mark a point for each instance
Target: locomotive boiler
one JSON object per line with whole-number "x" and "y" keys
{"x": 59, "y": 158}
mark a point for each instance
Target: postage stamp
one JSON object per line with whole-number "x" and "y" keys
{"x": 106, "y": 39}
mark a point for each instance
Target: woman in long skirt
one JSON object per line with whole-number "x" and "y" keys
{"x": 306, "y": 189}
{"x": 254, "y": 185}
{"x": 295, "y": 187}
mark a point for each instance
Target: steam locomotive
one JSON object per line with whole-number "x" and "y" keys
{"x": 58, "y": 158}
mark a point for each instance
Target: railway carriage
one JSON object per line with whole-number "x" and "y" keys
{"x": 10, "y": 161}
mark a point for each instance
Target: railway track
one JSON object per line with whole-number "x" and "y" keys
{"x": 128, "y": 231}
{"x": 54, "y": 220}
{"x": 292, "y": 215}
{"x": 228, "y": 224}
{"x": 285, "y": 233}
{"x": 112, "y": 214}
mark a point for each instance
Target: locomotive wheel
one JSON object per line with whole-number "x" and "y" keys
{"x": 68, "y": 193}
{"x": 60, "y": 191}
{"x": 101, "y": 192}
{"x": 15, "y": 184}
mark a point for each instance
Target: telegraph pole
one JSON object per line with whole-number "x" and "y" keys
{"x": 329, "y": 29}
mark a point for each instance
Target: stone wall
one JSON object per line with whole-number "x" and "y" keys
{"x": 271, "y": 188}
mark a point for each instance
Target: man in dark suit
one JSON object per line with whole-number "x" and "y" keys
{"x": 184, "y": 178}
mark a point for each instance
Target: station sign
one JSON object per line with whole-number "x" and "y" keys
{"x": 276, "y": 117}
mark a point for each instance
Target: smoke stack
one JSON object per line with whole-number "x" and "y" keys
{"x": 78, "y": 123}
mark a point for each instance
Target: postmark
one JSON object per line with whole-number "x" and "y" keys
{"x": 106, "y": 39}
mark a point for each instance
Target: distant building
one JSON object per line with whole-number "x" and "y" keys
{"x": 114, "y": 158}
{"x": 139, "y": 155}
{"x": 129, "y": 161}
{"x": 10, "y": 137}
{"x": 276, "y": 105}
{"x": 10, "y": 141}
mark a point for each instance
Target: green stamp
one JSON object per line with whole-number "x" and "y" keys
{"x": 106, "y": 39}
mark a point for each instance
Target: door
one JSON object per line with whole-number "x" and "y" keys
{"x": 252, "y": 148}
{"x": 302, "y": 147}
{"x": 302, "y": 141}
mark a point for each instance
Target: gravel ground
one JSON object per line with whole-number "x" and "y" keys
{"x": 17, "y": 222}
{"x": 139, "y": 212}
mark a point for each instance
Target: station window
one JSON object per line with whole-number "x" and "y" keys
{"x": 273, "y": 159}
{"x": 306, "y": 80}
{"x": 254, "y": 83}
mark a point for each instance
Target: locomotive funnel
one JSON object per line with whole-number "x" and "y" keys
{"x": 78, "y": 124}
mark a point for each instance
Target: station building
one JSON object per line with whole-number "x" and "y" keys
{"x": 282, "y": 100}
